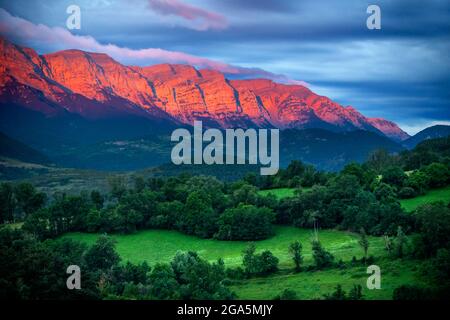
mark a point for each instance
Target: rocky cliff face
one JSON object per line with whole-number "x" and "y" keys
{"x": 94, "y": 85}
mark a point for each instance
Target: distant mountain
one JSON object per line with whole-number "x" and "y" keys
{"x": 437, "y": 131}
{"x": 330, "y": 150}
{"x": 13, "y": 149}
{"x": 92, "y": 86}
{"x": 325, "y": 149}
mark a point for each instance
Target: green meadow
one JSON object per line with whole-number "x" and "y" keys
{"x": 315, "y": 284}
{"x": 442, "y": 194}
{"x": 161, "y": 245}
{"x": 156, "y": 246}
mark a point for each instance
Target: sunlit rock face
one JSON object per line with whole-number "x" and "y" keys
{"x": 95, "y": 85}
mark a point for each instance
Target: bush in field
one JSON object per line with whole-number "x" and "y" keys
{"x": 322, "y": 258}
{"x": 295, "y": 250}
{"x": 286, "y": 294}
{"x": 198, "y": 279}
{"x": 259, "y": 264}
{"x": 339, "y": 294}
{"x": 246, "y": 222}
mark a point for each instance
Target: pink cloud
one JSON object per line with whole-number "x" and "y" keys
{"x": 201, "y": 18}
{"x": 25, "y": 32}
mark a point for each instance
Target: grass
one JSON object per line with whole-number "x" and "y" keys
{"x": 281, "y": 193}
{"x": 442, "y": 194}
{"x": 161, "y": 245}
{"x": 313, "y": 285}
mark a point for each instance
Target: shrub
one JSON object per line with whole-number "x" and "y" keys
{"x": 406, "y": 193}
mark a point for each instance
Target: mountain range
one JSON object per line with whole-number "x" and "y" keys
{"x": 94, "y": 86}
{"x": 86, "y": 109}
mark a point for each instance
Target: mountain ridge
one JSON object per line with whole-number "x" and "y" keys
{"x": 436, "y": 131}
{"x": 95, "y": 86}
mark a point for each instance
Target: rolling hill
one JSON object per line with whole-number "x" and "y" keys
{"x": 433, "y": 132}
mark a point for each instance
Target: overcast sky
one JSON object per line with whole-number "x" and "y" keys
{"x": 401, "y": 72}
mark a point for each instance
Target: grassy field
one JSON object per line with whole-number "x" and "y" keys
{"x": 442, "y": 194}
{"x": 161, "y": 245}
{"x": 313, "y": 285}
{"x": 281, "y": 192}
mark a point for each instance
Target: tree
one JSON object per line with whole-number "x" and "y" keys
{"x": 419, "y": 181}
{"x": 407, "y": 193}
{"x": 363, "y": 242}
{"x": 400, "y": 243}
{"x": 380, "y": 159}
{"x": 295, "y": 250}
{"x": 384, "y": 192}
{"x": 259, "y": 264}
{"x": 411, "y": 292}
{"x": 338, "y": 294}
{"x": 102, "y": 255}
{"x": 394, "y": 176}
{"x": 97, "y": 199}
{"x": 248, "y": 257}
{"x": 438, "y": 175}
{"x": 163, "y": 284}
{"x": 139, "y": 184}
{"x": 246, "y": 194}
{"x": 287, "y": 294}
{"x": 387, "y": 243}
{"x": 322, "y": 258}
{"x": 199, "y": 279}
{"x": 117, "y": 185}
{"x": 199, "y": 218}
{"x": 434, "y": 226}
{"x": 355, "y": 293}
{"x": 8, "y": 203}
{"x": 28, "y": 199}
{"x": 266, "y": 263}
{"x": 38, "y": 224}
{"x": 246, "y": 222}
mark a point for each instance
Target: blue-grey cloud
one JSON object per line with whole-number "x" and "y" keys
{"x": 400, "y": 72}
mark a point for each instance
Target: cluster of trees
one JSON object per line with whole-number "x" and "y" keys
{"x": 339, "y": 294}
{"x": 361, "y": 196}
{"x": 427, "y": 166}
{"x": 200, "y": 206}
{"x": 296, "y": 175}
{"x": 31, "y": 269}
{"x": 347, "y": 203}
{"x": 18, "y": 201}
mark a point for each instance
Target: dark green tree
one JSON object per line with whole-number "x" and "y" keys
{"x": 102, "y": 255}
{"x": 295, "y": 250}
